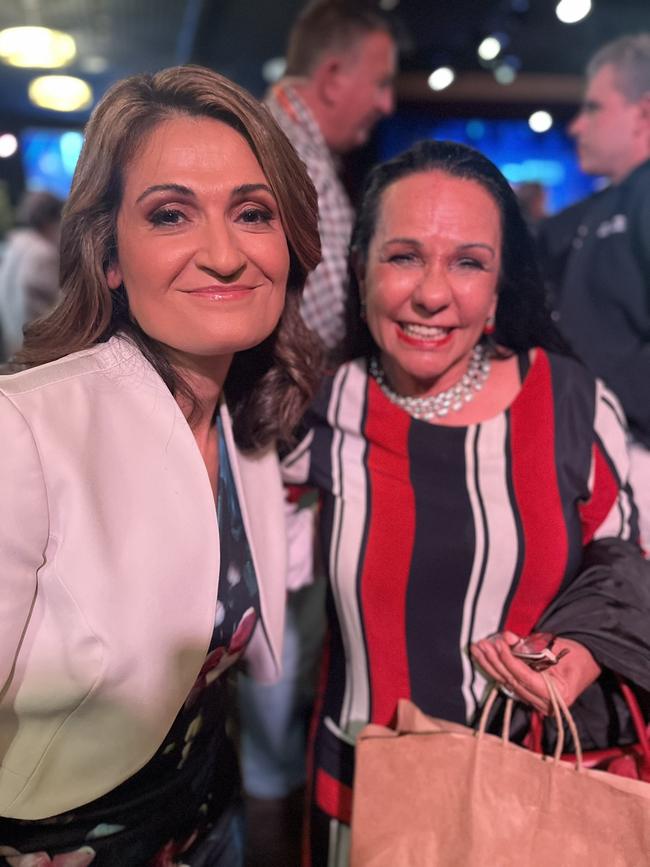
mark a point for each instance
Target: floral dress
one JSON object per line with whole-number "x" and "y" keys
{"x": 162, "y": 814}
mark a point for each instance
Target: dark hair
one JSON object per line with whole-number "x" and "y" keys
{"x": 523, "y": 318}
{"x": 38, "y": 210}
{"x": 328, "y": 27}
{"x": 268, "y": 386}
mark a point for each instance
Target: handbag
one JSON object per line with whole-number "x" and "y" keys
{"x": 631, "y": 760}
{"x": 432, "y": 793}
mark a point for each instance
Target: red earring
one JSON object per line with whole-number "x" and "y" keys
{"x": 489, "y": 327}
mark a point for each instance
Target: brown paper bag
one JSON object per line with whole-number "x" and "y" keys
{"x": 431, "y": 793}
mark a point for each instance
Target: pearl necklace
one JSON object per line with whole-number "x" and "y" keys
{"x": 439, "y": 405}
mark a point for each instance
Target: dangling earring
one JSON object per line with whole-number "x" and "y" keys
{"x": 489, "y": 327}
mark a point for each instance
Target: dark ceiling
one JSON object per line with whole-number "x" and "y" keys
{"x": 117, "y": 37}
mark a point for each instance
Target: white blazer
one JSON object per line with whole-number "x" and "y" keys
{"x": 109, "y": 566}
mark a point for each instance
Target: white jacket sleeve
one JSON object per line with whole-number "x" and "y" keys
{"x": 23, "y": 530}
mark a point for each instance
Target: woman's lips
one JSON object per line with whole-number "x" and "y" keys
{"x": 423, "y": 336}
{"x": 220, "y": 293}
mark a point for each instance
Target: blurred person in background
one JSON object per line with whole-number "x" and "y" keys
{"x": 341, "y": 62}
{"x": 473, "y": 477}
{"x": 142, "y": 533}
{"x": 533, "y": 200}
{"x": 596, "y": 254}
{"x": 29, "y": 271}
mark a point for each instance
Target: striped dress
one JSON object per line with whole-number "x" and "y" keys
{"x": 435, "y": 536}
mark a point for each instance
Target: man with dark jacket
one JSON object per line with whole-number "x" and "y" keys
{"x": 596, "y": 255}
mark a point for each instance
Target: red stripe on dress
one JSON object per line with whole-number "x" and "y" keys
{"x": 333, "y": 797}
{"x": 387, "y": 561}
{"x": 604, "y": 495}
{"x": 537, "y": 495}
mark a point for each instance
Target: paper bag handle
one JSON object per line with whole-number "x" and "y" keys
{"x": 560, "y": 711}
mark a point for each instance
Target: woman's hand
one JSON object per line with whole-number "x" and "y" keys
{"x": 572, "y": 674}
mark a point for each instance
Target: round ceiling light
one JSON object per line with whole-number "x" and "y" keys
{"x": 572, "y": 11}
{"x": 60, "y": 92}
{"x": 8, "y": 145}
{"x": 441, "y": 78}
{"x": 540, "y": 121}
{"x": 36, "y": 47}
{"x": 490, "y": 48}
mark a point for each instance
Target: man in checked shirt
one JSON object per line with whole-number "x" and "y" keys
{"x": 341, "y": 61}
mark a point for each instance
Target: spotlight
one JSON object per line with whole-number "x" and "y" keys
{"x": 540, "y": 121}
{"x": 8, "y": 145}
{"x": 505, "y": 73}
{"x": 273, "y": 69}
{"x": 60, "y": 92}
{"x": 37, "y": 47}
{"x": 572, "y": 11}
{"x": 507, "y": 68}
{"x": 490, "y": 48}
{"x": 441, "y": 78}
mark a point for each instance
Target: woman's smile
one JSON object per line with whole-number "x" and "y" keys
{"x": 423, "y": 336}
{"x": 221, "y": 293}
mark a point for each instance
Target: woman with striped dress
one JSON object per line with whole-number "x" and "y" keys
{"x": 466, "y": 462}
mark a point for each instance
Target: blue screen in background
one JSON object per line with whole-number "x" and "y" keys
{"x": 49, "y": 158}
{"x": 521, "y": 154}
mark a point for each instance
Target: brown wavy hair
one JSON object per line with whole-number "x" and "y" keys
{"x": 268, "y": 386}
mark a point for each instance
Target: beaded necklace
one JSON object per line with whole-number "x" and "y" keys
{"x": 441, "y": 404}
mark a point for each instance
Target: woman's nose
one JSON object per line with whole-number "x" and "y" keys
{"x": 219, "y": 252}
{"x": 433, "y": 290}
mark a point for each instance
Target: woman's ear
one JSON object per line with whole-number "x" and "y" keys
{"x": 114, "y": 275}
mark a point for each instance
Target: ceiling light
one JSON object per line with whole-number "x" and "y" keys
{"x": 489, "y": 49}
{"x": 37, "y": 47}
{"x": 571, "y": 11}
{"x": 93, "y": 64}
{"x": 441, "y": 78}
{"x": 540, "y": 121}
{"x": 505, "y": 73}
{"x": 274, "y": 69}
{"x": 8, "y": 145}
{"x": 60, "y": 92}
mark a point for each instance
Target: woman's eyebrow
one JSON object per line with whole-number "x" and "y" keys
{"x": 180, "y": 189}
{"x": 245, "y": 189}
{"x": 170, "y": 188}
{"x": 481, "y": 244}
{"x": 400, "y": 240}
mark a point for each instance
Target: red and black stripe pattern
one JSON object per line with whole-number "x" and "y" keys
{"x": 436, "y": 536}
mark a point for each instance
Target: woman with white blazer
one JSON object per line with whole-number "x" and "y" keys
{"x": 142, "y": 546}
